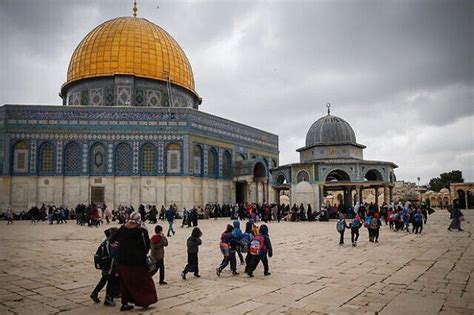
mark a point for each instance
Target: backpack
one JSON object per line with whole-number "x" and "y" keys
{"x": 256, "y": 246}
{"x": 417, "y": 218}
{"x": 340, "y": 226}
{"x": 355, "y": 224}
{"x": 374, "y": 223}
{"x": 367, "y": 222}
{"x": 102, "y": 259}
{"x": 225, "y": 249}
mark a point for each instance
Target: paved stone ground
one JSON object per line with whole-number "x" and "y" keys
{"x": 48, "y": 269}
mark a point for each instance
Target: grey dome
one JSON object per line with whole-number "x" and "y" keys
{"x": 330, "y": 130}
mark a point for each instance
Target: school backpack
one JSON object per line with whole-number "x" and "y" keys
{"x": 225, "y": 249}
{"x": 355, "y": 224}
{"x": 256, "y": 246}
{"x": 102, "y": 259}
{"x": 374, "y": 223}
{"x": 417, "y": 218}
{"x": 367, "y": 222}
{"x": 340, "y": 225}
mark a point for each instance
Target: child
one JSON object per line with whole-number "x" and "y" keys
{"x": 374, "y": 228}
{"x": 238, "y": 237}
{"x": 228, "y": 245}
{"x": 193, "y": 243}
{"x": 109, "y": 273}
{"x": 158, "y": 242}
{"x": 417, "y": 222}
{"x": 341, "y": 227}
{"x": 355, "y": 226}
{"x": 259, "y": 248}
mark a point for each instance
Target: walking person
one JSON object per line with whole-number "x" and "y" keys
{"x": 9, "y": 216}
{"x": 455, "y": 216}
{"x": 193, "y": 242}
{"x": 238, "y": 238}
{"x": 341, "y": 226}
{"x": 170, "y": 214}
{"x": 227, "y": 246}
{"x": 136, "y": 284}
{"x": 355, "y": 227}
{"x": 106, "y": 261}
{"x": 158, "y": 244}
{"x": 260, "y": 247}
{"x": 374, "y": 228}
{"x": 417, "y": 222}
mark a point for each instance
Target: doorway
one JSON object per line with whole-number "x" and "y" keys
{"x": 97, "y": 195}
{"x": 241, "y": 192}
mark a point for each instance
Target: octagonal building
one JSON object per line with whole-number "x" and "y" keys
{"x": 332, "y": 160}
{"x": 130, "y": 132}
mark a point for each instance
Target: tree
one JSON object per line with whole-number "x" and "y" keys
{"x": 444, "y": 179}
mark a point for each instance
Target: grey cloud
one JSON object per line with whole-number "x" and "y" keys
{"x": 393, "y": 69}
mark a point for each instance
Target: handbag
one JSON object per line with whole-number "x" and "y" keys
{"x": 461, "y": 219}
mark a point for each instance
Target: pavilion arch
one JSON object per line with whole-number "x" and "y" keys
{"x": 302, "y": 176}
{"x": 259, "y": 170}
{"x": 338, "y": 175}
{"x": 373, "y": 175}
{"x": 281, "y": 179}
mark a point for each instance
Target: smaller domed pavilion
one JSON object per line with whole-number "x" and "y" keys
{"x": 332, "y": 160}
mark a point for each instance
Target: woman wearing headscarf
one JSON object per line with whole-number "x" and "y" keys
{"x": 136, "y": 283}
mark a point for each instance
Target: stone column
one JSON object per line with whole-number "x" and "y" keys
{"x": 390, "y": 189}
{"x": 377, "y": 196}
{"x": 359, "y": 193}
{"x": 385, "y": 194}
{"x": 465, "y": 198}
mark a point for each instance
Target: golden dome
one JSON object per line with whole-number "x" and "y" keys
{"x": 130, "y": 46}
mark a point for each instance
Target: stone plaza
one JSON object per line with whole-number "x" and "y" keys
{"x": 48, "y": 269}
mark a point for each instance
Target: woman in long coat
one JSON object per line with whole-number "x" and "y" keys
{"x": 136, "y": 283}
{"x": 455, "y": 214}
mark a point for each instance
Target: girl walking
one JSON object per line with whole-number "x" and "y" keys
{"x": 193, "y": 243}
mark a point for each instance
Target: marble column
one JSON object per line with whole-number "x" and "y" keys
{"x": 377, "y": 196}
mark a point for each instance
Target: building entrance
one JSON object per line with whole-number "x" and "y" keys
{"x": 97, "y": 195}
{"x": 241, "y": 192}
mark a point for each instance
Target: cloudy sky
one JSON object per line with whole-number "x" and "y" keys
{"x": 400, "y": 72}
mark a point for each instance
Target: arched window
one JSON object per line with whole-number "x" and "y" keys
{"x": 226, "y": 165}
{"x": 20, "y": 157}
{"x": 173, "y": 161}
{"x": 72, "y": 159}
{"x": 302, "y": 176}
{"x": 97, "y": 159}
{"x": 123, "y": 159}
{"x": 212, "y": 163}
{"x": 148, "y": 158}
{"x": 197, "y": 160}
{"x": 46, "y": 158}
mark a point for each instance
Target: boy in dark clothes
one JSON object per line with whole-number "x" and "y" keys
{"x": 265, "y": 247}
{"x": 228, "y": 247}
{"x": 193, "y": 243}
{"x": 109, "y": 275}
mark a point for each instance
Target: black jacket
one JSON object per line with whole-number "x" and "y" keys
{"x": 134, "y": 245}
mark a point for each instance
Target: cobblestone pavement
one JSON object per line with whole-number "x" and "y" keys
{"x": 48, "y": 269}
